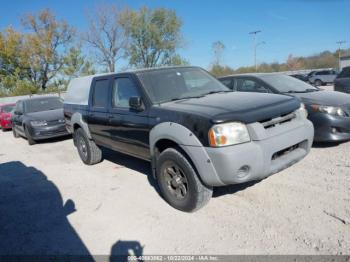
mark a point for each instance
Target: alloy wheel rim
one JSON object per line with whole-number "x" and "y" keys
{"x": 82, "y": 147}
{"x": 175, "y": 180}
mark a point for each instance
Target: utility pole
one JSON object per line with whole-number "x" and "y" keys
{"x": 254, "y": 33}
{"x": 339, "y": 51}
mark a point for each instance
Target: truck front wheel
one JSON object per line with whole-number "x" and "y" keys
{"x": 179, "y": 182}
{"x": 89, "y": 152}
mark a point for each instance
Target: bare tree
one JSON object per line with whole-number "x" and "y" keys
{"x": 218, "y": 48}
{"x": 294, "y": 63}
{"x": 106, "y": 35}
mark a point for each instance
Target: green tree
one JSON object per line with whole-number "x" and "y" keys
{"x": 45, "y": 46}
{"x": 76, "y": 64}
{"x": 14, "y": 70}
{"x": 154, "y": 36}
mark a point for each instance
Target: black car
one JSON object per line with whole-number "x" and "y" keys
{"x": 194, "y": 130}
{"x": 39, "y": 118}
{"x": 301, "y": 77}
{"x": 329, "y": 111}
{"x": 342, "y": 82}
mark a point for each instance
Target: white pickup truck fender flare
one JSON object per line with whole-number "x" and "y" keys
{"x": 188, "y": 142}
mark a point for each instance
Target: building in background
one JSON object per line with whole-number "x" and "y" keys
{"x": 344, "y": 61}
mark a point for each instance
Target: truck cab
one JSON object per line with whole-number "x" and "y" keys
{"x": 196, "y": 133}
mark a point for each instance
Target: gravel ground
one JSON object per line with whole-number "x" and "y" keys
{"x": 50, "y": 202}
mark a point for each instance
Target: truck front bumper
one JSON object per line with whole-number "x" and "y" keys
{"x": 269, "y": 152}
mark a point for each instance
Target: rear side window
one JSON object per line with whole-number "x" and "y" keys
{"x": 345, "y": 72}
{"x": 19, "y": 107}
{"x": 100, "y": 93}
{"x": 123, "y": 89}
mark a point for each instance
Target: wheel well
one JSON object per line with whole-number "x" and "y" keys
{"x": 163, "y": 144}
{"x": 76, "y": 126}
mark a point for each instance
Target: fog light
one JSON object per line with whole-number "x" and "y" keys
{"x": 334, "y": 130}
{"x": 243, "y": 171}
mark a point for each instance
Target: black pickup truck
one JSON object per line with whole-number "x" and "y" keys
{"x": 196, "y": 133}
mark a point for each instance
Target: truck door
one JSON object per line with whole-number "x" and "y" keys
{"x": 129, "y": 128}
{"x": 97, "y": 117}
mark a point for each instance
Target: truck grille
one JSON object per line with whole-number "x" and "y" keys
{"x": 285, "y": 151}
{"x": 272, "y": 122}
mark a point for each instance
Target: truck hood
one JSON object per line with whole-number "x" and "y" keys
{"x": 50, "y": 115}
{"x": 236, "y": 106}
{"x": 327, "y": 98}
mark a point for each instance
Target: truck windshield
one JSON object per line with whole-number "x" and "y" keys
{"x": 44, "y": 104}
{"x": 179, "y": 83}
{"x": 287, "y": 84}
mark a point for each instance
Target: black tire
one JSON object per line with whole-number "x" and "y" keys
{"x": 88, "y": 151}
{"x": 318, "y": 82}
{"x": 179, "y": 182}
{"x": 15, "y": 135}
{"x": 30, "y": 140}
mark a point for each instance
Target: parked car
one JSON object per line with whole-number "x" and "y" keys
{"x": 320, "y": 78}
{"x": 329, "y": 111}
{"x": 301, "y": 77}
{"x": 5, "y": 116}
{"x": 342, "y": 82}
{"x": 195, "y": 131}
{"x": 39, "y": 118}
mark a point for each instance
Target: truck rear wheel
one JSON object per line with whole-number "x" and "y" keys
{"x": 88, "y": 151}
{"x": 179, "y": 182}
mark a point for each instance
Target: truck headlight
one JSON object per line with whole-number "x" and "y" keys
{"x": 331, "y": 110}
{"x": 38, "y": 123}
{"x": 228, "y": 134}
{"x": 303, "y": 110}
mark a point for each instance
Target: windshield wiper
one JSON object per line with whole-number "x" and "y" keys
{"x": 311, "y": 90}
{"x": 304, "y": 91}
{"x": 218, "y": 91}
{"x": 185, "y": 97}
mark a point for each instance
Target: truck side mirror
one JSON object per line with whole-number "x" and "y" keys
{"x": 135, "y": 103}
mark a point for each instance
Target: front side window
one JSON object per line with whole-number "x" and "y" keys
{"x": 123, "y": 89}
{"x": 179, "y": 83}
{"x": 100, "y": 93}
{"x": 226, "y": 82}
{"x": 248, "y": 85}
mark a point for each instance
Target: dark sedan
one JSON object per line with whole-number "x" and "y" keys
{"x": 329, "y": 111}
{"x": 301, "y": 77}
{"x": 39, "y": 118}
